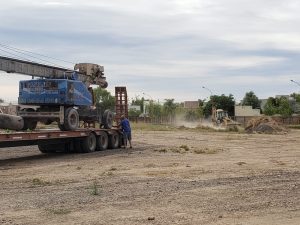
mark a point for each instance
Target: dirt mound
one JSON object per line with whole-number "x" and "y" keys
{"x": 264, "y": 125}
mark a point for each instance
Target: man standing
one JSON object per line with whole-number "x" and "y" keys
{"x": 125, "y": 125}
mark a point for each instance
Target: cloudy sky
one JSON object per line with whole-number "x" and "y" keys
{"x": 164, "y": 49}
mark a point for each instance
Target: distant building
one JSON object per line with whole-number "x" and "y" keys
{"x": 135, "y": 107}
{"x": 245, "y": 110}
{"x": 191, "y": 105}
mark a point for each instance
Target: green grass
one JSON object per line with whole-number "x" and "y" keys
{"x": 206, "y": 150}
{"x": 294, "y": 126}
{"x": 185, "y": 147}
{"x": 95, "y": 189}
{"x": 40, "y": 182}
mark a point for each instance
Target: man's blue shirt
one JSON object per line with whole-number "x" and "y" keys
{"x": 125, "y": 125}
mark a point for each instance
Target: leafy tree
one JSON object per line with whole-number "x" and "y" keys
{"x": 284, "y": 107}
{"x": 134, "y": 112}
{"x": 220, "y": 102}
{"x": 169, "y": 108}
{"x": 270, "y": 107}
{"x": 140, "y": 102}
{"x": 191, "y": 115}
{"x": 194, "y": 114}
{"x": 296, "y": 96}
{"x": 1, "y": 100}
{"x": 201, "y": 102}
{"x": 278, "y": 106}
{"x": 251, "y": 99}
{"x": 155, "y": 109}
{"x": 104, "y": 100}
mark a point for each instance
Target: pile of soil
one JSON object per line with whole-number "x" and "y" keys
{"x": 264, "y": 125}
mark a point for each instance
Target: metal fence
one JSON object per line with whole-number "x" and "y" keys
{"x": 156, "y": 120}
{"x": 243, "y": 120}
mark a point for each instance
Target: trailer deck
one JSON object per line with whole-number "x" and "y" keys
{"x": 81, "y": 140}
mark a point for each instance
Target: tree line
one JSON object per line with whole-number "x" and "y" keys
{"x": 104, "y": 100}
{"x": 169, "y": 108}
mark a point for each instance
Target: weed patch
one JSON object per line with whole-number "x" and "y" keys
{"x": 95, "y": 188}
{"x": 40, "y": 182}
{"x": 107, "y": 173}
{"x": 163, "y": 150}
{"x": 185, "y": 147}
{"x": 207, "y": 150}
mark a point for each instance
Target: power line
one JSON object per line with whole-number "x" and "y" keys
{"x": 31, "y": 55}
{"x": 20, "y": 52}
{"x": 4, "y": 45}
{"x": 17, "y": 56}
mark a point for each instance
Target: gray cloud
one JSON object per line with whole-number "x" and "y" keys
{"x": 166, "y": 48}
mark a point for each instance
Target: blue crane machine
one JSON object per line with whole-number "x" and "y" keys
{"x": 59, "y": 94}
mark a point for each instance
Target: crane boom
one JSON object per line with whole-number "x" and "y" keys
{"x": 88, "y": 73}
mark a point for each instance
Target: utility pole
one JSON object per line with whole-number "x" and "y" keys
{"x": 213, "y": 108}
{"x": 148, "y": 95}
{"x": 208, "y": 90}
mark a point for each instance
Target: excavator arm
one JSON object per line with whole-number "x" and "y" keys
{"x": 86, "y": 72}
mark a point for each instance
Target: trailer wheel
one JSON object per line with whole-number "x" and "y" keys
{"x": 48, "y": 122}
{"x": 44, "y": 149}
{"x": 121, "y": 140}
{"x": 71, "y": 121}
{"x": 89, "y": 143}
{"x": 29, "y": 124}
{"x": 102, "y": 141}
{"x": 77, "y": 145}
{"x": 51, "y": 148}
{"x": 61, "y": 127}
{"x": 113, "y": 140}
{"x": 107, "y": 119}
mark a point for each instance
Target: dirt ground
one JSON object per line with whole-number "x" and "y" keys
{"x": 169, "y": 177}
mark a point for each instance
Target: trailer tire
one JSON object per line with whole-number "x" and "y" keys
{"x": 71, "y": 121}
{"x": 51, "y": 148}
{"x": 89, "y": 143}
{"x": 44, "y": 149}
{"x": 48, "y": 122}
{"x": 113, "y": 140}
{"x": 61, "y": 127}
{"x": 102, "y": 141}
{"x": 77, "y": 145}
{"x": 107, "y": 119}
{"x": 29, "y": 124}
{"x": 121, "y": 140}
